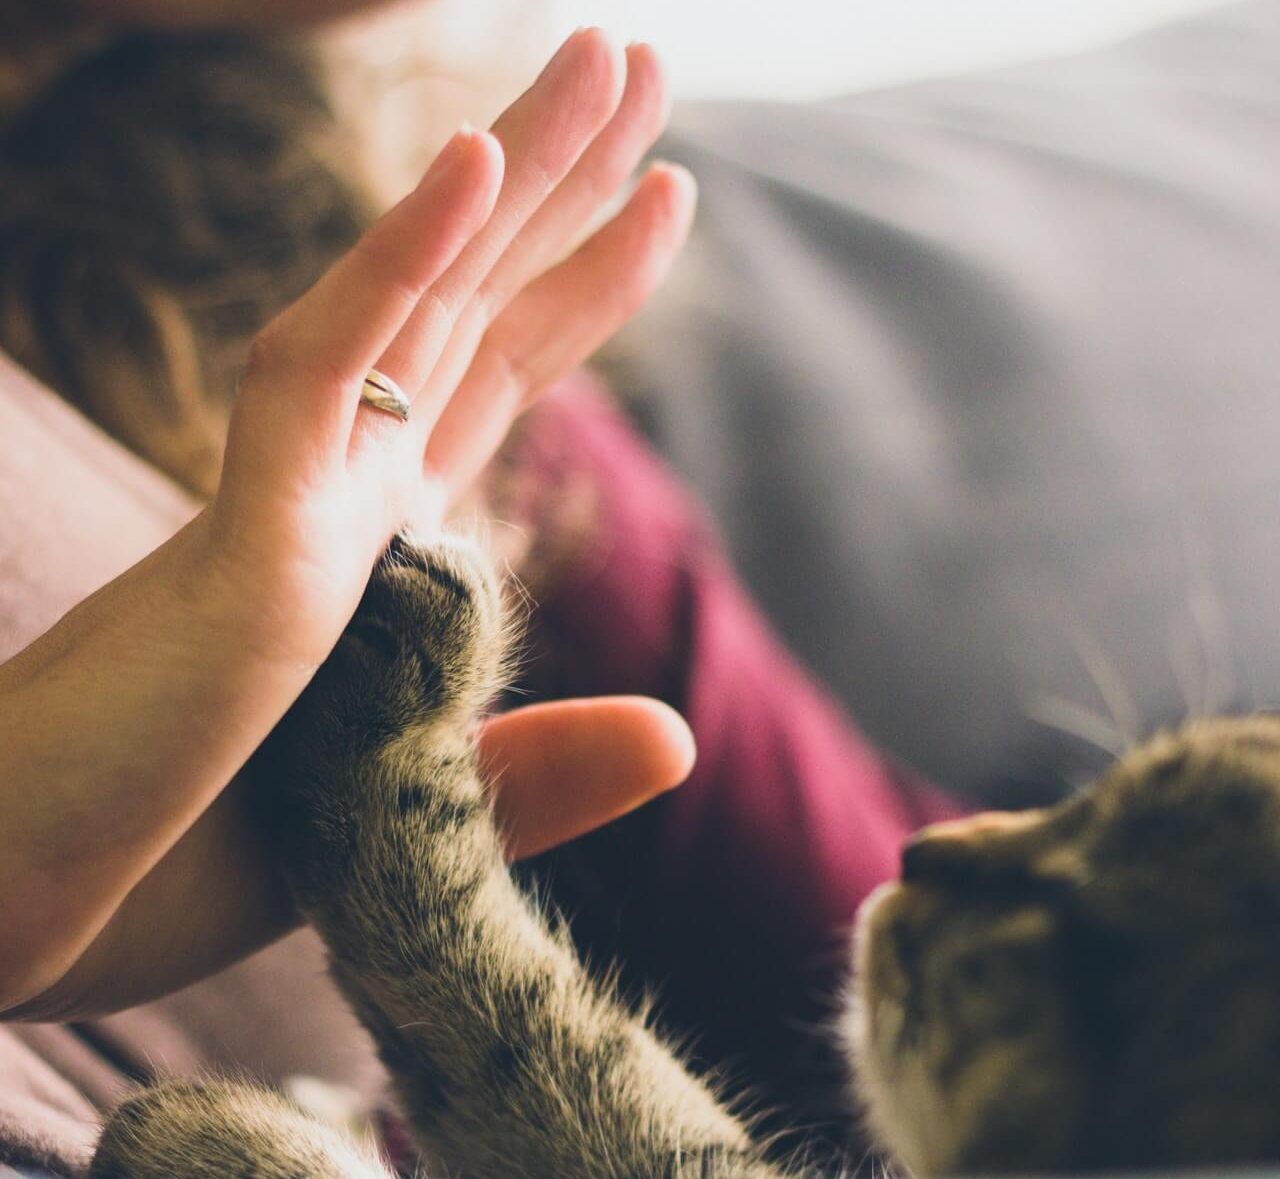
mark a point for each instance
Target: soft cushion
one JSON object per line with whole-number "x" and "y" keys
{"x": 981, "y": 377}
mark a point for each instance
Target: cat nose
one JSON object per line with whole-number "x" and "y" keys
{"x": 963, "y": 846}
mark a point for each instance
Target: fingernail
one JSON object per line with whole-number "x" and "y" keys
{"x": 561, "y": 59}
{"x": 583, "y": 31}
{"x": 450, "y": 155}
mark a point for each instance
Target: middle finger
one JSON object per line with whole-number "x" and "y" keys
{"x": 542, "y": 135}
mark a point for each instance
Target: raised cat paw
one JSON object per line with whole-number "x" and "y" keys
{"x": 396, "y": 702}
{"x": 500, "y": 1046}
{"x": 427, "y": 640}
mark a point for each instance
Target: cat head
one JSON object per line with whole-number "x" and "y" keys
{"x": 1093, "y": 985}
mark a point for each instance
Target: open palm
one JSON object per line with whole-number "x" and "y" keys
{"x": 463, "y": 294}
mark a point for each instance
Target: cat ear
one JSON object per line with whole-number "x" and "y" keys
{"x": 993, "y": 844}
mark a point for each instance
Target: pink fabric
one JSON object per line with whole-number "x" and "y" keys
{"x": 76, "y": 509}
{"x": 736, "y": 892}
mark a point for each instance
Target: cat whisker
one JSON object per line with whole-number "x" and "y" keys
{"x": 1209, "y": 663}
{"x": 1075, "y": 720}
{"x": 1184, "y": 656}
{"x": 1122, "y": 709}
{"x": 513, "y": 583}
{"x": 1119, "y": 701}
{"x": 868, "y": 1156}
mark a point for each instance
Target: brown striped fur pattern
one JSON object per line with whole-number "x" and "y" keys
{"x": 1091, "y": 987}
{"x": 161, "y": 198}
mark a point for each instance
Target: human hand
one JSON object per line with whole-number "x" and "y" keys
{"x": 558, "y": 770}
{"x": 137, "y": 709}
{"x": 457, "y": 295}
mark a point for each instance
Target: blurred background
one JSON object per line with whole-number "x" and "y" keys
{"x": 799, "y": 48}
{"x": 811, "y": 48}
{"x": 975, "y": 368}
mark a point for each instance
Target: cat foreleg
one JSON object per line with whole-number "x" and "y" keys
{"x": 509, "y": 1059}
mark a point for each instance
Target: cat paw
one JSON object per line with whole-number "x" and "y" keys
{"x": 424, "y": 650}
{"x": 396, "y": 700}
{"x": 427, "y": 640}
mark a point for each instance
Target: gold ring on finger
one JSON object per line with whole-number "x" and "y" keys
{"x": 381, "y": 392}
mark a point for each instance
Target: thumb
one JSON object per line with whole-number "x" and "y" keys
{"x": 562, "y": 769}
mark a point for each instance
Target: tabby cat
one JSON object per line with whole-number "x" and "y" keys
{"x": 1086, "y": 987}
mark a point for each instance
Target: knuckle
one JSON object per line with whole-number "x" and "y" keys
{"x": 275, "y": 364}
{"x": 435, "y": 309}
{"x": 488, "y": 301}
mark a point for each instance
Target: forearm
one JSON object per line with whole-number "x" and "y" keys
{"x": 118, "y": 728}
{"x": 215, "y": 898}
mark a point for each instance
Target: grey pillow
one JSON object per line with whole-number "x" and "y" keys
{"x": 982, "y": 379}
